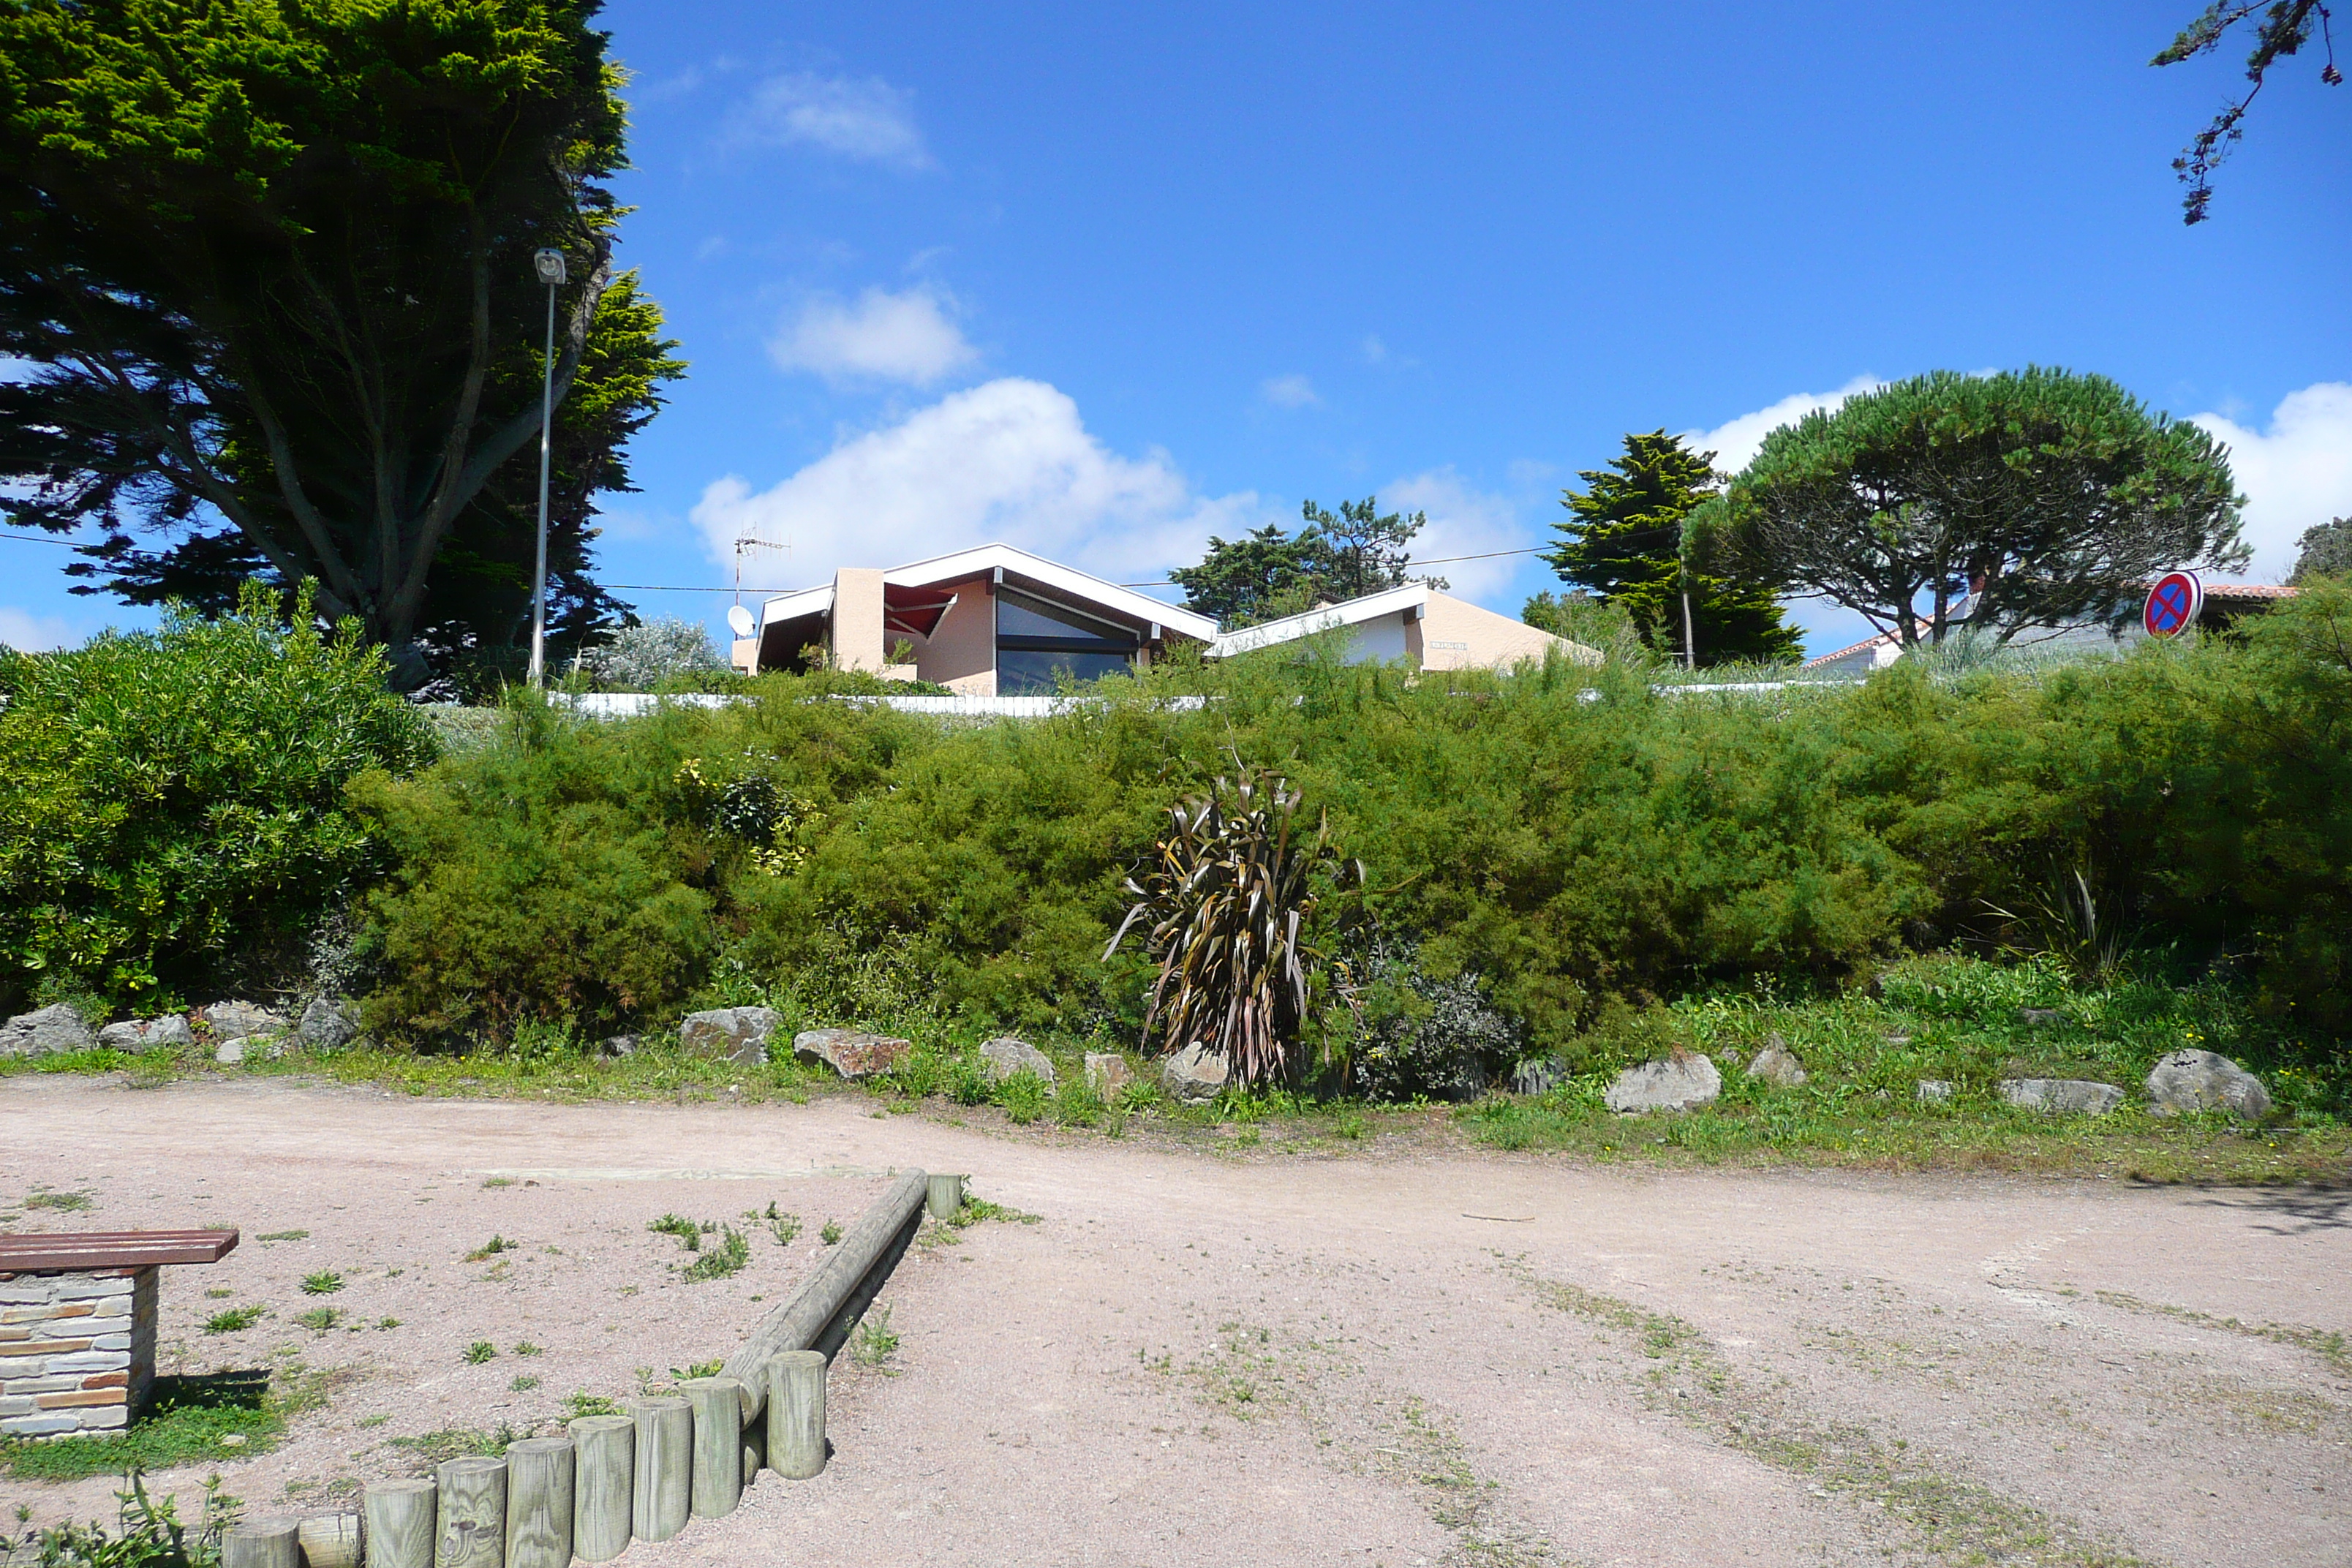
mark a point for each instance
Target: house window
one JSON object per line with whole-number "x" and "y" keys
{"x": 1036, "y": 640}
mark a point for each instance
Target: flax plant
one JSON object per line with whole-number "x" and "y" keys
{"x": 1235, "y": 882}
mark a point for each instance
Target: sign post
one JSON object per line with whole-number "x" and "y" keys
{"x": 2172, "y": 604}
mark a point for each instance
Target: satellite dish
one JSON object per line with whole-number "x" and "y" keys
{"x": 740, "y": 619}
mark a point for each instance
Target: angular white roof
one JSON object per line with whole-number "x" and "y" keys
{"x": 1019, "y": 563}
{"x": 1290, "y": 628}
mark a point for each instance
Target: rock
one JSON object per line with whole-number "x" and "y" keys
{"x": 2205, "y": 1080}
{"x": 52, "y": 1029}
{"x": 1936, "y": 1090}
{"x": 1537, "y": 1075}
{"x": 1195, "y": 1074}
{"x": 728, "y": 1033}
{"x": 1898, "y": 1040}
{"x": 326, "y": 1025}
{"x": 852, "y": 1053}
{"x": 2069, "y": 1094}
{"x": 613, "y": 1047}
{"x": 1107, "y": 1073}
{"x": 1005, "y": 1056}
{"x": 147, "y": 1033}
{"x": 1670, "y": 1085}
{"x": 2040, "y": 1017}
{"x": 1777, "y": 1065}
{"x": 229, "y": 1053}
{"x": 233, "y": 1020}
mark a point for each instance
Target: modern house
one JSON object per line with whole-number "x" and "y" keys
{"x": 1434, "y": 629}
{"x": 2224, "y": 603}
{"x": 996, "y": 621}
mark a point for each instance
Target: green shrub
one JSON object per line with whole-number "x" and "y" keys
{"x": 172, "y": 819}
{"x": 1551, "y": 853}
{"x": 1024, "y": 1097}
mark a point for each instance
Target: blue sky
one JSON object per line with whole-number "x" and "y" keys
{"x": 1102, "y": 280}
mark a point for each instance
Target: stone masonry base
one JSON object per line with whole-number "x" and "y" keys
{"x": 76, "y": 1351}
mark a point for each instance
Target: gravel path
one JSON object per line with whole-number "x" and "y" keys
{"x": 1381, "y": 1359}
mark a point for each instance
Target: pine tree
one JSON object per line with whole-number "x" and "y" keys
{"x": 1625, "y": 546}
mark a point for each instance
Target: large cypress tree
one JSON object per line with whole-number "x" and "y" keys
{"x": 1624, "y": 545}
{"x": 270, "y": 264}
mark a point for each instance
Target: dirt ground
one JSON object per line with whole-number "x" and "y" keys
{"x": 1389, "y": 1359}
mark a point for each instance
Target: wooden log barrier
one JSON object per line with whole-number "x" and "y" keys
{"x": 665, "y": 1467}
{"x": 400, "y": 1522}
{"x": 472, "y": 1528}
{"x": 538, "y": 1503}
{"x": 331, "y": 1540}
{"x": 261, "y": 1544}
{"x": 796, "y": 1413}
{"x": 820, "y": 1313}
{"x": 943, "y": 1195}
{"x": 604, "y": 1477}
{"x": 718, "y": 1444}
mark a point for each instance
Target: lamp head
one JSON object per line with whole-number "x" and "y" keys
{"x": 551, "y": 265}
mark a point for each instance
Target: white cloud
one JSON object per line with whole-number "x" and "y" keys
{"x": 880, "y": 336}
{"x": 1374, "y": 350}
{"x": 1009, "y": 459}
{"x": 2296, "y": 476}
{"x": 1463, "y": 520}
{"x": 1735, "y": 441}
{"x": 28, "y": 633}
{"x": 1289, "y": 392}
{"x": 869, "y": 120}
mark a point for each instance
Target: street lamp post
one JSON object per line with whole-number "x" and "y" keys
{"x": 550, "y": 264}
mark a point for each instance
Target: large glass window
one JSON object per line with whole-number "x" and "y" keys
{"x": 1021, "y": 671}
{"x": 1038, "y": 641}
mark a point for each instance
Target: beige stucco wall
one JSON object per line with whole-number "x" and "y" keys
{"x": 857, "y": 637}
{"x": 961, "y": 652}
{"x": 1455, "y": 634}
{"x": 747, "y": 654}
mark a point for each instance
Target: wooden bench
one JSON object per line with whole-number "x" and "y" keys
{"x": 78, "y": 1324}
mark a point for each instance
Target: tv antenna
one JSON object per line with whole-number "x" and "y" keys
{"x": 739, "y": 618}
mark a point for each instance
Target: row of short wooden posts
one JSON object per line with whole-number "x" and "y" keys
{"x": 611, "y": 1480}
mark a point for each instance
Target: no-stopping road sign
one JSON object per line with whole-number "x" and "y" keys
{"x": 2173, "y": 604}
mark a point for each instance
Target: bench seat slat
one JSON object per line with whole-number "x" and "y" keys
{"x": 112, "y": 1249}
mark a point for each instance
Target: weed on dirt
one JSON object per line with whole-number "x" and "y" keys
{"x": 728, "y": 1255}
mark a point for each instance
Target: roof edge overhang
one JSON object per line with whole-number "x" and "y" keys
{"x": 1347, "y": 612}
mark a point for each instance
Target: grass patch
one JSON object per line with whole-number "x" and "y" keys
{"x": 235, "y": 1321}
{"x": 875, "y": 1343}
{"x": 427, "y": 1449}
{"x": 325, "y": 1282}
{"x": 283, "y": 1235}
{"x": 729, "y": 1256}
{"x": 2328, "y": 1344}
{"x": 188, "y": 1421}
{"x": 320, "y": 1318}
{"x": 830, "y": 1233}
{"x": 1939, "y": 1517}
{"x": 782, "y": 1227}
{"x": 70, "y": 1203}
{"x": 479, "y": 1352}
{"x": 977, "y": 1210}
{"x": 689, "y": 1235}
{"x": 490, "y": 1248}
{"x": 580, "y": 1403}
{"x": 523, "y": 1385}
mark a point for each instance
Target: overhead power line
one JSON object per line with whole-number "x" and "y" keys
{"x": 1431, "y": 561}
